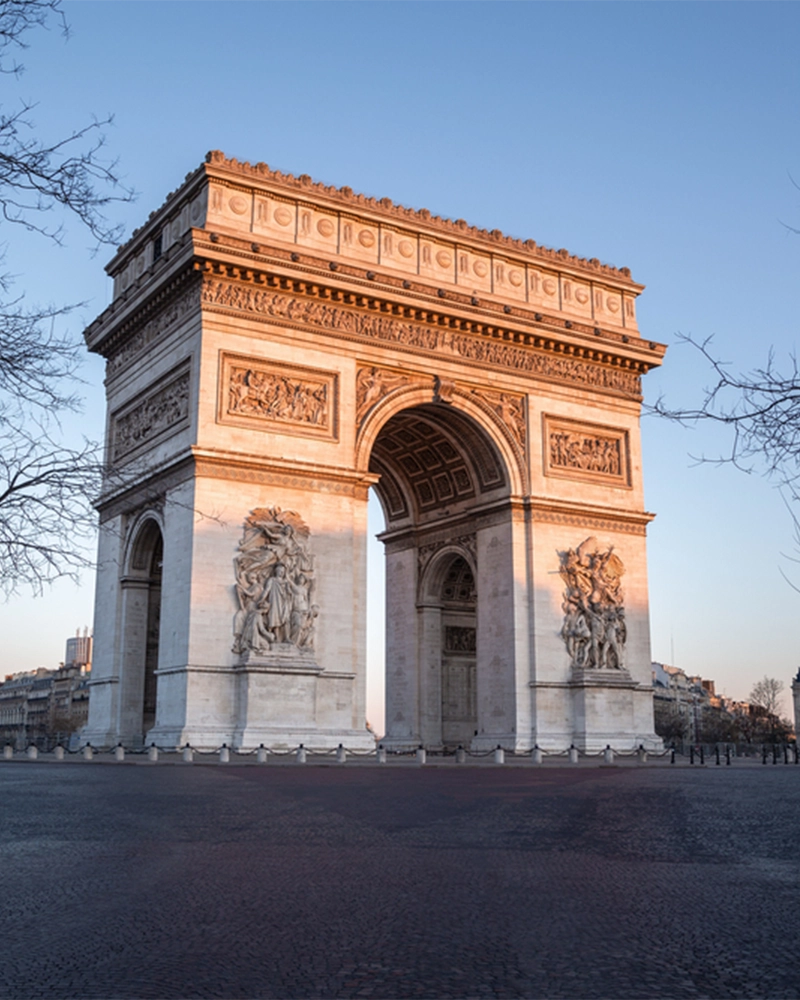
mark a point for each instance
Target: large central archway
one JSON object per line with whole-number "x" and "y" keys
{"x": 444, "y": 483}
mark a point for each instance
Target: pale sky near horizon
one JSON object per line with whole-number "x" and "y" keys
{"x": 662, "y": 137}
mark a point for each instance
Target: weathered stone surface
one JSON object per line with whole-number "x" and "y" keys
{"x": 276, "y": 345}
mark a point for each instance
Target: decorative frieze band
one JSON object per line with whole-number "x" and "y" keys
{"x": 586, "y": 451}
{"x": 228, "y": 294}
{"x": 164, "y": 410}
{"x": 264, "y": 394}
{"x": 153, "y": 330}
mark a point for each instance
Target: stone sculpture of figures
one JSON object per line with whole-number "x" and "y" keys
{"x": 274, "y": 584}
{"x": 594, "y": 630}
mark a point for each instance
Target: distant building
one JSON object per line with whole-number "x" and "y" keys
{"x": 687, "y": 710}
{"x": 47, "y": 706}
{"x": 79, "y": 651}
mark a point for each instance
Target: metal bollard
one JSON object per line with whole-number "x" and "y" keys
{"x": 32, "y": 752}
{"x": 536, "y": 755}
{"x": 152, "y": 753}
{"x": 87, "y": 752}
{"x": 58, "y": 752}
{"x": 119, "y": 752}
{"x": 691, "y": 754}
{"x": 8, "y": 752}
{"x": 187, "y": 756}
{"x": 785, "y": 754}
{"x": 727, "y": 755}
{"x": 763, "y": 754}
{"x": 608, "y": 755}
{"x": 224, "y": 754}
{"x": 381, "y": 755}
{"x": 716, "y": 751}
{"x": 672, "y": 754}
{"x": 261, "y": 755}
{"x": 461, "y": 755}
{"x": 341, "y": 754}
{"x": 774, "y": 754}
{"x": 499, "y": 755}
{"x": 702, "y": 754}
{"x": 573, "y": 754}
{"x": 301, "y": 754}
{"x": 421, "y": 755}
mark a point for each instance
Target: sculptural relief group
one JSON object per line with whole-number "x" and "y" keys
{"x": 594, "y": 628}
{"x": 274, "y": 584}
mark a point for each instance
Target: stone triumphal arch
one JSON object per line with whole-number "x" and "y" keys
{"x": 274, "y": 348}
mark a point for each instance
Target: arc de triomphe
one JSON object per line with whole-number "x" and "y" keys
{"x": 274, "y": 348}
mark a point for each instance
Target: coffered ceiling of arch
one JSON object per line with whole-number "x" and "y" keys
{"x": 428, "y": 460}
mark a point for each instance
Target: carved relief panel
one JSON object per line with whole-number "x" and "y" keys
{"x": 269, "y": 395}
{"x": 590, "y": 452}
{"x": 161, "y": 411}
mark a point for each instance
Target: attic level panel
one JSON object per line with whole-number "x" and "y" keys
{"x": 267, "y": 207}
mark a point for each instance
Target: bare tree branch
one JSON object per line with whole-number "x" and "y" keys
{"x": 47, "y": 485}
{"x": 762, "y": 410}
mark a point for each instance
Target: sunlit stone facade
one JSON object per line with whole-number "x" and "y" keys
{"x": 274, "y": 348}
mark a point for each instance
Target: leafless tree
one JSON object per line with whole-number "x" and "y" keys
{"x": 46, "y": 487}
{"x": 766, "y": 697}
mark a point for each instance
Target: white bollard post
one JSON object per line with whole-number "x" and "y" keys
{"x": 381, "y": 755}
{"x": 58, "y": 753}
{"x": 261, "y": 755}
{"x": 87, "y": 752}
{"x": 341, "y": 754}
{"x": 33, "y": 752}
{"x": 187, "y": 756}
{"x": 461, "y": 755}
{"x": 8, "y": 752}
{"x": 301, "y": 754}
{"x": 224, "y": 754}
{"x": 573, "y": 755}
{"x": 119, "y": 752}
{"x": 421, "y": 755}
{"x": 152, "y": 753}
{"x": 536, "y": 755}
{"x": 499, "y": 755}
{"x": 642, "y": 754}
{"x": 608, "y": 755}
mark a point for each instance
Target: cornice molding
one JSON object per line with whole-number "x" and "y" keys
{"x": 353, "y": 316}
{"x": 589, "y": 516}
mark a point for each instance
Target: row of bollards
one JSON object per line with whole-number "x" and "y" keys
{"x": 498, "y": 755}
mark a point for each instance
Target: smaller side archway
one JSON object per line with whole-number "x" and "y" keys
{"x": 448, "y": 633}
{"x": 141, "y": 628}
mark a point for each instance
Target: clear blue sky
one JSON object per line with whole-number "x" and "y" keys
{"x": 657, "y": 136}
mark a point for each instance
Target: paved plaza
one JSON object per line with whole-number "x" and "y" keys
{"x": 284, "y": 881}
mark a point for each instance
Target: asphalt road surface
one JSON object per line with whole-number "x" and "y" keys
{"x": 192, "y": 881}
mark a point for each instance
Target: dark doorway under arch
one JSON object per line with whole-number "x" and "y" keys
{"x": 141, "y": 592}
{"x": 459, "y": 647}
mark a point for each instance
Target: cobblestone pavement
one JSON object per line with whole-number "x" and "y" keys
{"x": 299, "y": 882}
